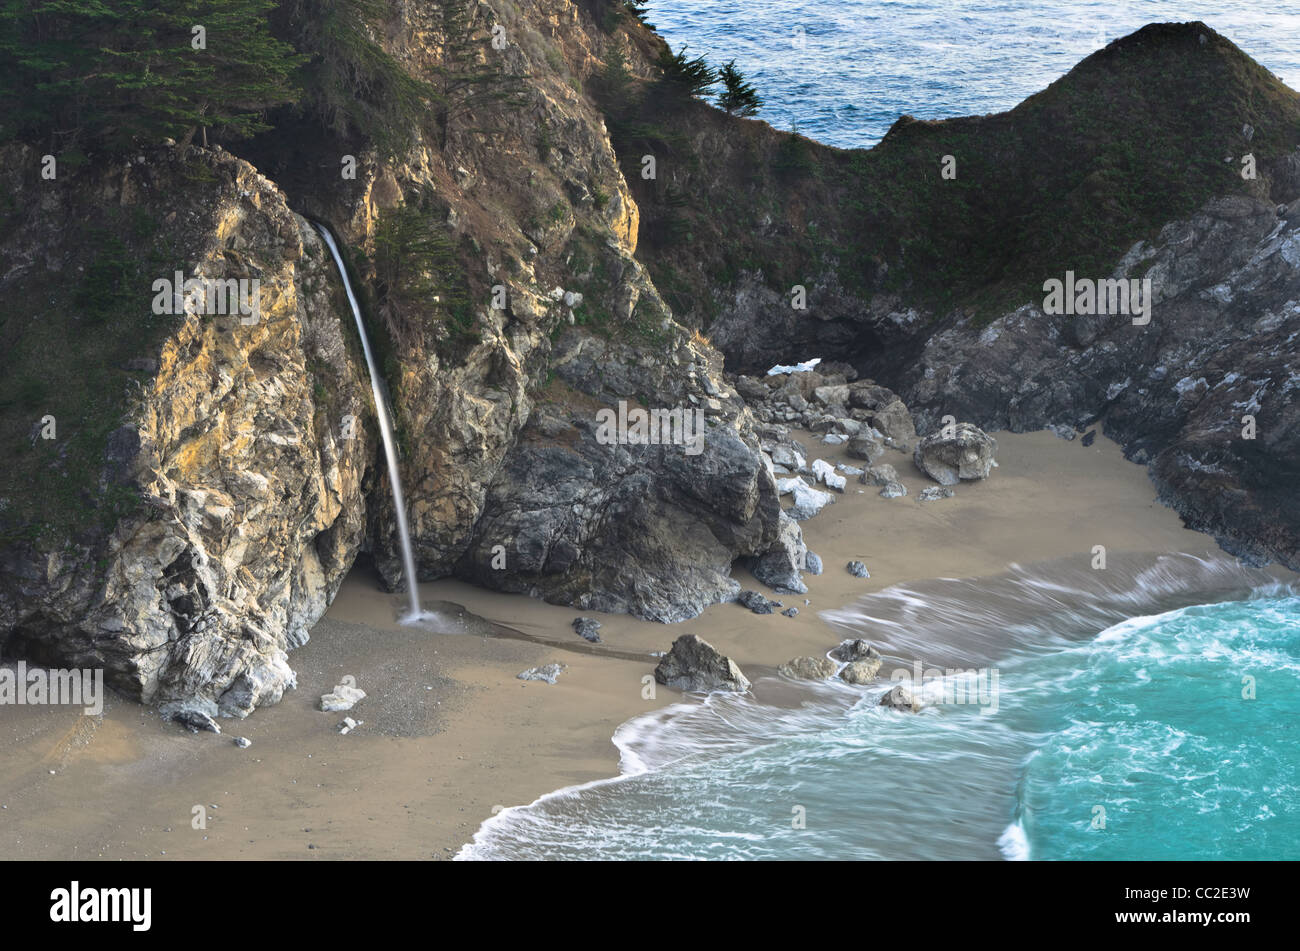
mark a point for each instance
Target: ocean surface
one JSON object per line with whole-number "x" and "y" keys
{"x": 843, "y": 71}
{"x": 1083, "y": 727}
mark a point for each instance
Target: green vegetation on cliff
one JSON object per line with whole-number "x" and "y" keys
{"x": 70, "y": 355}
{"x": 114, "y": 72}
{"x": 1134, "y": 137}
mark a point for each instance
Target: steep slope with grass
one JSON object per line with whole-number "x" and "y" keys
{"x": 1137, "y": 135}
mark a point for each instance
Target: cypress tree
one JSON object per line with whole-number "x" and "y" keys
{"x": 350, "y": 82}
{"x": 469, "y": 76}
{"x": 114, "y": 72}
{"x": 738, "y": 97}
{"x": 689, "y": 77}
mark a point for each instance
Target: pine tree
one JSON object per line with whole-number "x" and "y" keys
{"x": 468, "y": 76}
{"x": 114, "y": 72}
{"x": 350, "y": 82}
{"x": 638, "y": 10}
{"x": 738, "y": 97}
{"x": 689, "y": 77}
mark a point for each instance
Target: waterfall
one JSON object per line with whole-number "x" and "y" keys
{"x": 385, "y": 429}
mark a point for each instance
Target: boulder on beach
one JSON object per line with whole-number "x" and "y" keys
{"x": 756, "y": 602}
{"x": 808, "y": 502}
{"x": 901, "y": 698}
{"x": 895, "y": 422}
{"x": 966, "y": 452}
{"x": 694, "y": 665}
{"x": 789, "y": 455}
{"x": 879, "y": 475}
{"x": 786, "y": 486}
{"x": 190, "y": 716}
{"x": 813, "y": 563}
{"x": 893, "y": 490}
{"x": 854, "y": 650}
{"x": 835, "y": 395}
{"x": 863, "y": 446}
{"x": 885, "y": 412}
{"x": 936, "y": 492}
{"x": 587, "y": 628}
{"x": 779, "y": 567}
{"x": 860, "y": 672}
{"x": 827, "y": 476}
{"x": 858, "y": 569}
{"x": 808, "y": 668}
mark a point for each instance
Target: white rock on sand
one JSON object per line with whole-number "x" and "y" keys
{"x": 826, "y": 474}
{"x": 785, "y": 486}
{"x": 808, "y": 502}
{"x": 547, "y": 672}
{"x": 341, "y": 698}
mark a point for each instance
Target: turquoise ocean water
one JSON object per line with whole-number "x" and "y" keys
{"x": 1105, "y": 734}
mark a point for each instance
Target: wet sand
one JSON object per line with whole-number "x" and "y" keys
{"x": 450, "y": 733}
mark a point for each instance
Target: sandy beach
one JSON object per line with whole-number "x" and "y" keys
{"x": 450, "y": 733}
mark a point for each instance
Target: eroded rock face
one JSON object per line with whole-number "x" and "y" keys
{"x": 860, "y": 672}
{"x": 809, "y": 668}
{"x": 605, "y": 524}
{"x": 694, "y": 665}
{"x": 252, "y": 503}
{"x": 1223, "y": 343}
{"x": 948, "y": 457}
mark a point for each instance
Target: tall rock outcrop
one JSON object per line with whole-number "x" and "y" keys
{"x": 242, "y": 442}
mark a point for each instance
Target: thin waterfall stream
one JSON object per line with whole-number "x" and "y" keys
{"x": 386, "y": 430}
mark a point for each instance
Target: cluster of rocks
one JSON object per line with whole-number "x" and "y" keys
{"x": 853, "y": 661}
{"x": 347, "y": 725}
{"x": 833, "y": 403}
{"x": 695, "y": 665}
{"x": 861, "y": 418}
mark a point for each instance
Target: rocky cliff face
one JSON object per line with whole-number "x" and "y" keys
{"x": 250, "y": 486}
{"x": 506, "y": 481}
{"x": 251, "y": 448}
{"x": 934, "y": 287}
{"x": 1207, "y": 394}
